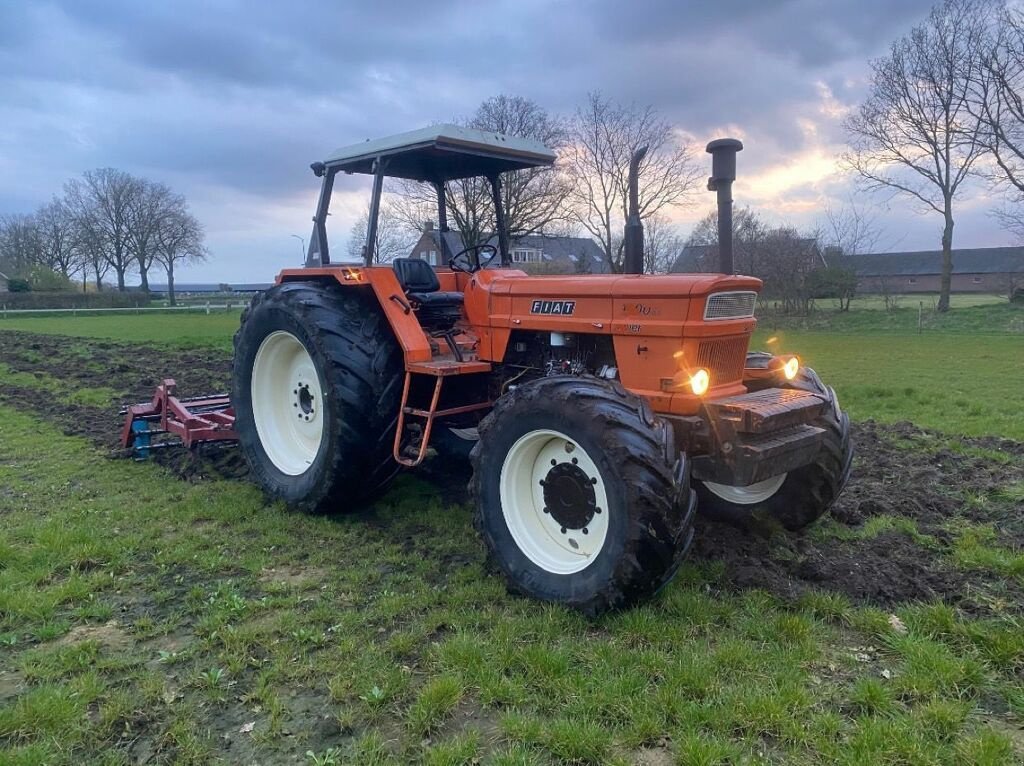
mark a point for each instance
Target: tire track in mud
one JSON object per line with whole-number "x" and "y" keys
{"x": 900, "y": 471}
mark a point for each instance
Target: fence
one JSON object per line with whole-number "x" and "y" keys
{"x": 208, "y": 308}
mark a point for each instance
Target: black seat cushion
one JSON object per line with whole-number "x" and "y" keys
{"x": 420, "y": 282}
{"x": 437, "y": 299}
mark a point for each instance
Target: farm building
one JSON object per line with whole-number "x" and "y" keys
{"x": 975, "y": 270}
{"x": 565, "y": 255}
{"x": 3, "y": 282}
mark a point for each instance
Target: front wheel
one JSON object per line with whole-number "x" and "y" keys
{"x": 796, "y": 499}
{"x": 579, "y": 496}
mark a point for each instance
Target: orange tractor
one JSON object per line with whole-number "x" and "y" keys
{"x": 601, "y": 409}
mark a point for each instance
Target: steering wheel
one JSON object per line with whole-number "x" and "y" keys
{"x": 468, "y": 259}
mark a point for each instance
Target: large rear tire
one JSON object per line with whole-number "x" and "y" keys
{"x": 796, "y": 499}
{"x": 580, "y": 496}
{"x": 316, "y": 385}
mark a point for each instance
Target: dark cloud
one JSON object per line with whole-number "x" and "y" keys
{"x": 230, "y": 101}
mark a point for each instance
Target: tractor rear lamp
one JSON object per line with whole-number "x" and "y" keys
{"x": 700, "y": 381}
{"x": 791, "y": 367}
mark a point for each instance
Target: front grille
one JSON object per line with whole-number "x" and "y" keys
{"x": 737, "y": 305}
{"x": 723, "y": 358}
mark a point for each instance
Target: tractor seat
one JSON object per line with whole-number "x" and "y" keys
{"x": 418, "y": 279}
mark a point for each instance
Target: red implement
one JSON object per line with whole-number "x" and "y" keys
{"x": 202, "y": 419}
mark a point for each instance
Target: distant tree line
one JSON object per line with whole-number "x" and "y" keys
{"x": 797, "y": 267}
{"x": 107, "y": 222}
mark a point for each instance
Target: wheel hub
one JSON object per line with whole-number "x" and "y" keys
{"x": 554, "y": 501}
{"x": 569, "y": 496}
{"x": 304, "y": 401}
{"x": 287, "y": 403}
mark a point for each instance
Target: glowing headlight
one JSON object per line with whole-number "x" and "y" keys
{"x": 699, "y": 382}
{"x": 791, "y": 368}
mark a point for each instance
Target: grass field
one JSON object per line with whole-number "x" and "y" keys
{"x": 149, "y": 619}
{"x": 198, "y": 330}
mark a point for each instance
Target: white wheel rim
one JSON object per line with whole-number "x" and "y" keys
{"x": 757, "y": 492}
{"x": 554, "y": 540}
{"x": 287, "y": 403}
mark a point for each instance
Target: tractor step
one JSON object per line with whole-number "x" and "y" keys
{"x": 411, "y": 452}
{"x": 195, "y": 420}
{"x": 446, "y": 367}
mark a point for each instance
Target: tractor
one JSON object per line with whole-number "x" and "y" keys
{"x": 602, "y": 410}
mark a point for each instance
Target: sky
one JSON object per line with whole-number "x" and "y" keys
{"x": 229, "y": 102}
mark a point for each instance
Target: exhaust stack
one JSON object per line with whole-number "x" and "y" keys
{"x": 633, "y": 236}
{"x": 723, "y": 173}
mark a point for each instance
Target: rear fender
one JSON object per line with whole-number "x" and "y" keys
{"x": 389, "y": 294}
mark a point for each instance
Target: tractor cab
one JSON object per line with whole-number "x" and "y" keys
{"x": 434, "y": 155}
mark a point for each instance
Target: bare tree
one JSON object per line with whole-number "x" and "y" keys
{"x": 748, "y": 231}
{"x": 101, "y": 201}
{"x": 846, "y": 230}
{"x": 393, "y": 239}
{"x": 534, "y": 198}
{"x": 998, "y": 103}
{"x": 57, "y": 233}
{"x": 89, "y": 250}
{"x": 147, "y": 208}
{"x": 178, "y": 239}
{"x": 662, "y": 245}
{"x": 915, "y": 134}
{"x": 603, "y": 137}
{"x": 21, "y": 245}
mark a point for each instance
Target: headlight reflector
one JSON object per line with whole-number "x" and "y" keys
{"x": 700, "y": 381}
{"x": 791, "y": 368}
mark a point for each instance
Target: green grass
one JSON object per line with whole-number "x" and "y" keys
{"x": 145, "y": 617}
{"x": 959, "y": 384}
{"x": 180, "y": 330}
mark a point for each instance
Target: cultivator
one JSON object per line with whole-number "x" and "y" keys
{"x": 195, "y": 420}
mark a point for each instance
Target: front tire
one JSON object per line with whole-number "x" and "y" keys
{"x": 799, "y": 498}
{"x": 316, "y": 384}
{"x": 580, "y": 498}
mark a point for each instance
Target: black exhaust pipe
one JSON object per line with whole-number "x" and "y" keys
{"x": 633, "y": 237}
{"x": 723, "y": 173}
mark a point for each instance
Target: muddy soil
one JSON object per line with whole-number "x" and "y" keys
{"x": 900, "y": 471}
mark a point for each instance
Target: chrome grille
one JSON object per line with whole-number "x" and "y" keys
{"x": 724, "y": 358}
{"x": 730, "y": 305}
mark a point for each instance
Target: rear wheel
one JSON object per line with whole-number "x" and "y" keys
{"x": 579, "y": 496}
{"x": 316, "y": 385}
{"x": 796, "y": 499}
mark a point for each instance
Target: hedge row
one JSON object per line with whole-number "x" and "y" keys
{"x": 71, "y": 300}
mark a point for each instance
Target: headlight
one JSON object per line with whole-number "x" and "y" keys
{"x": 791, "y": 368}
{"x": 699, "y": 382}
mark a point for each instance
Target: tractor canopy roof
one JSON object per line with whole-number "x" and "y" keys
{"x": 442, "y": 153}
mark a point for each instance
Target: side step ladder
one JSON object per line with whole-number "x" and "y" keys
{"x": 439, "y": 371}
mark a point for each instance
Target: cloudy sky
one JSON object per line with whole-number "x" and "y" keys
{"x": 229, "y": 102}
